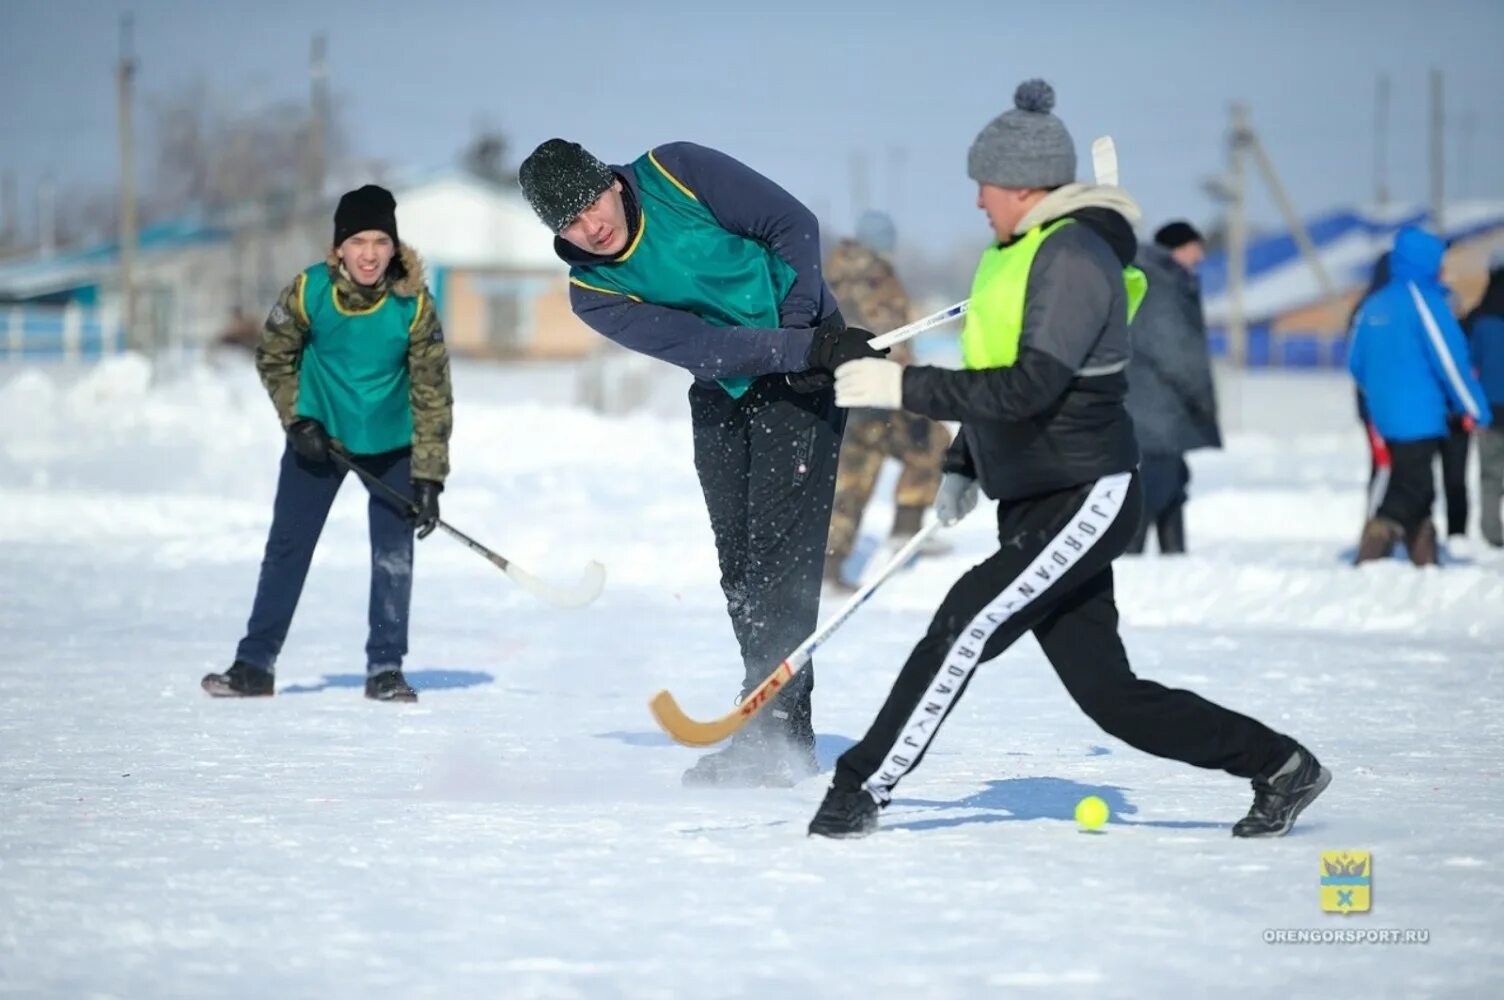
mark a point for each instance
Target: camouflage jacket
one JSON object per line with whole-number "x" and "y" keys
{"x": 279, "y": 355}
{"x": 868, "y": 291}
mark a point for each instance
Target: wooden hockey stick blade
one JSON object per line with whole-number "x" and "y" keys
{"x": 1104, "y": 160}
{"x": 698, "y": 734}
{"x": 694, "y": 733}
{"x": 592, "y": 581}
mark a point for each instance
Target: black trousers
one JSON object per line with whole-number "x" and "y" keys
{"x": 1164, "y": 478}
{"x": 767, "y": 466}
{"x": 1053, "y": 575}
{"x": 1411, "y": 490}
{"x": 1454, "y": 477}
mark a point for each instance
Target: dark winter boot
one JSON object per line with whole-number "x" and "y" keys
{"x": 774, "y": 750}
{"x": 793, "y": 727}
{"x": 1279, "y": 797}
{"x": 1421, "y": 544}
{"x": 389, "y": 685}
{"x": 742, "y": 763}
{"x": 1380, "y": 535}
{"x": 242, "y": 680}
{"x": 845, "y": 813}
{"x": 1171, "y": 531}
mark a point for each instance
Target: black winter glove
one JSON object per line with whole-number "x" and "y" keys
{"x": 835, "y": 344}
{"x": 813, "y": 380}
{"x": 309, "y": 439}
{"x": 426, "y": 500}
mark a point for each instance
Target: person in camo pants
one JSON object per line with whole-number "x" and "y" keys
{"x": 870, "y": 295}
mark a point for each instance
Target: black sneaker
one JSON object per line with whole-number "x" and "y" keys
{"x": 242, "y": 680}
{"x": 1279, "y": 798}
{"x": 845, "y": 813}
{"x": 389, "y": 685}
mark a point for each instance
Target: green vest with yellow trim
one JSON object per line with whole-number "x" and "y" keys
{"x": 995, "y": 315}
{"x": 354, "y": 378}
{"x": 681, "y": 258}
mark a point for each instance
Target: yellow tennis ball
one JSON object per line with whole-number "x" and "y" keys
{"x": 1092, "y": 812}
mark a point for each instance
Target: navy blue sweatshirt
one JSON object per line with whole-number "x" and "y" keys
{"x": 748, "y": 204}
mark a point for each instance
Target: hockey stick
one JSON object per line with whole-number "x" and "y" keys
{"x": 1104, "y": 160}
{"x": 914, "y": 329}
{"x": 692, "y": 732}
{"x": 577, "y": 596}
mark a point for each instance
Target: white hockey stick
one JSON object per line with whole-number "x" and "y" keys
{"x": 914, "y": 329}
{"x": 576, "y": 595}
{"x": 1104, "y": 160}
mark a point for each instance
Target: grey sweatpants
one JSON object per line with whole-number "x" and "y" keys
{"x": 1491, "y": 482}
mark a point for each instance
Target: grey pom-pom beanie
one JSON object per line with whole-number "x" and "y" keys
{"x": 1025, "y": 147}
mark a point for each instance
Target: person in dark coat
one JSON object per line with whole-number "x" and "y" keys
{"x": 1484, "y": 327}
{"x": 1171, "y": 397}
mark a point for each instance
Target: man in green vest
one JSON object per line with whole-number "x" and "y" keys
{"x": 691, "y": 257}
{"x": 354, "y": 359}
{"x": 1044, "y": 432}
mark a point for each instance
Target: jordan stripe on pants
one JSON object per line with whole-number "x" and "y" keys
{"x": 1053, "y": 575}
{"x": 1049, "y": 545}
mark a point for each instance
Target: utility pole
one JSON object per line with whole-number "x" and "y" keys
{"x": 318, "y": 110}
{"x": 1292, "y": 218}
{"x": 897, "y": 162}
{"x": 124, "y": 78}
{"x": 1237, "y": 242}
{"x": 861, "y": 198}
{"x": 1468, "y": 127}
{"x": 1245, "y": 141}
{"x": 1438, "y": 155}
{"x": 47, "y": 215}
{"x": 1381, "y": 143}
{"x": 10, "y": 231}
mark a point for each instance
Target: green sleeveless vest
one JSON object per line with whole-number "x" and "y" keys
{"x": 682, "y": 258}
{"x": 995, "y": 316}
{"x": 354, "y": 377}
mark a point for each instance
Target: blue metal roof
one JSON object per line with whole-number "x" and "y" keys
{"x": 1349, "y": 241}
{"x": 30, "y": 277}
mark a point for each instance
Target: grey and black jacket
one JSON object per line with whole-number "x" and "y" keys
{"x": 1055, "y": 418}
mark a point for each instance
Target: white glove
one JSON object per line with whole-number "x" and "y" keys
{"x": 872, "y": 382}
{"x": 957, "y": 497}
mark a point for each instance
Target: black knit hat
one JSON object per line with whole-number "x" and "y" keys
{"x": 1174, "y": 235}
{"x": 369, "y": 207}
{"x": 560, "y": 179}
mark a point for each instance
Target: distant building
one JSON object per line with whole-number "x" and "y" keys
{"x": 1289, "y": 323}
{"x": 500, "y": 289}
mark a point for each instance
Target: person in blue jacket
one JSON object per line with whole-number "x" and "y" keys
{"x": 690, "y": 256}
{"x": 1485, "y": 336}
{"x": 1410, "y": 359}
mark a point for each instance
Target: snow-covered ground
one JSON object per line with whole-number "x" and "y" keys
{"x": 522, "y": 832}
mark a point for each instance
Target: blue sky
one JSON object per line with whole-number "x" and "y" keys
{"x": 797, "y": 88}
